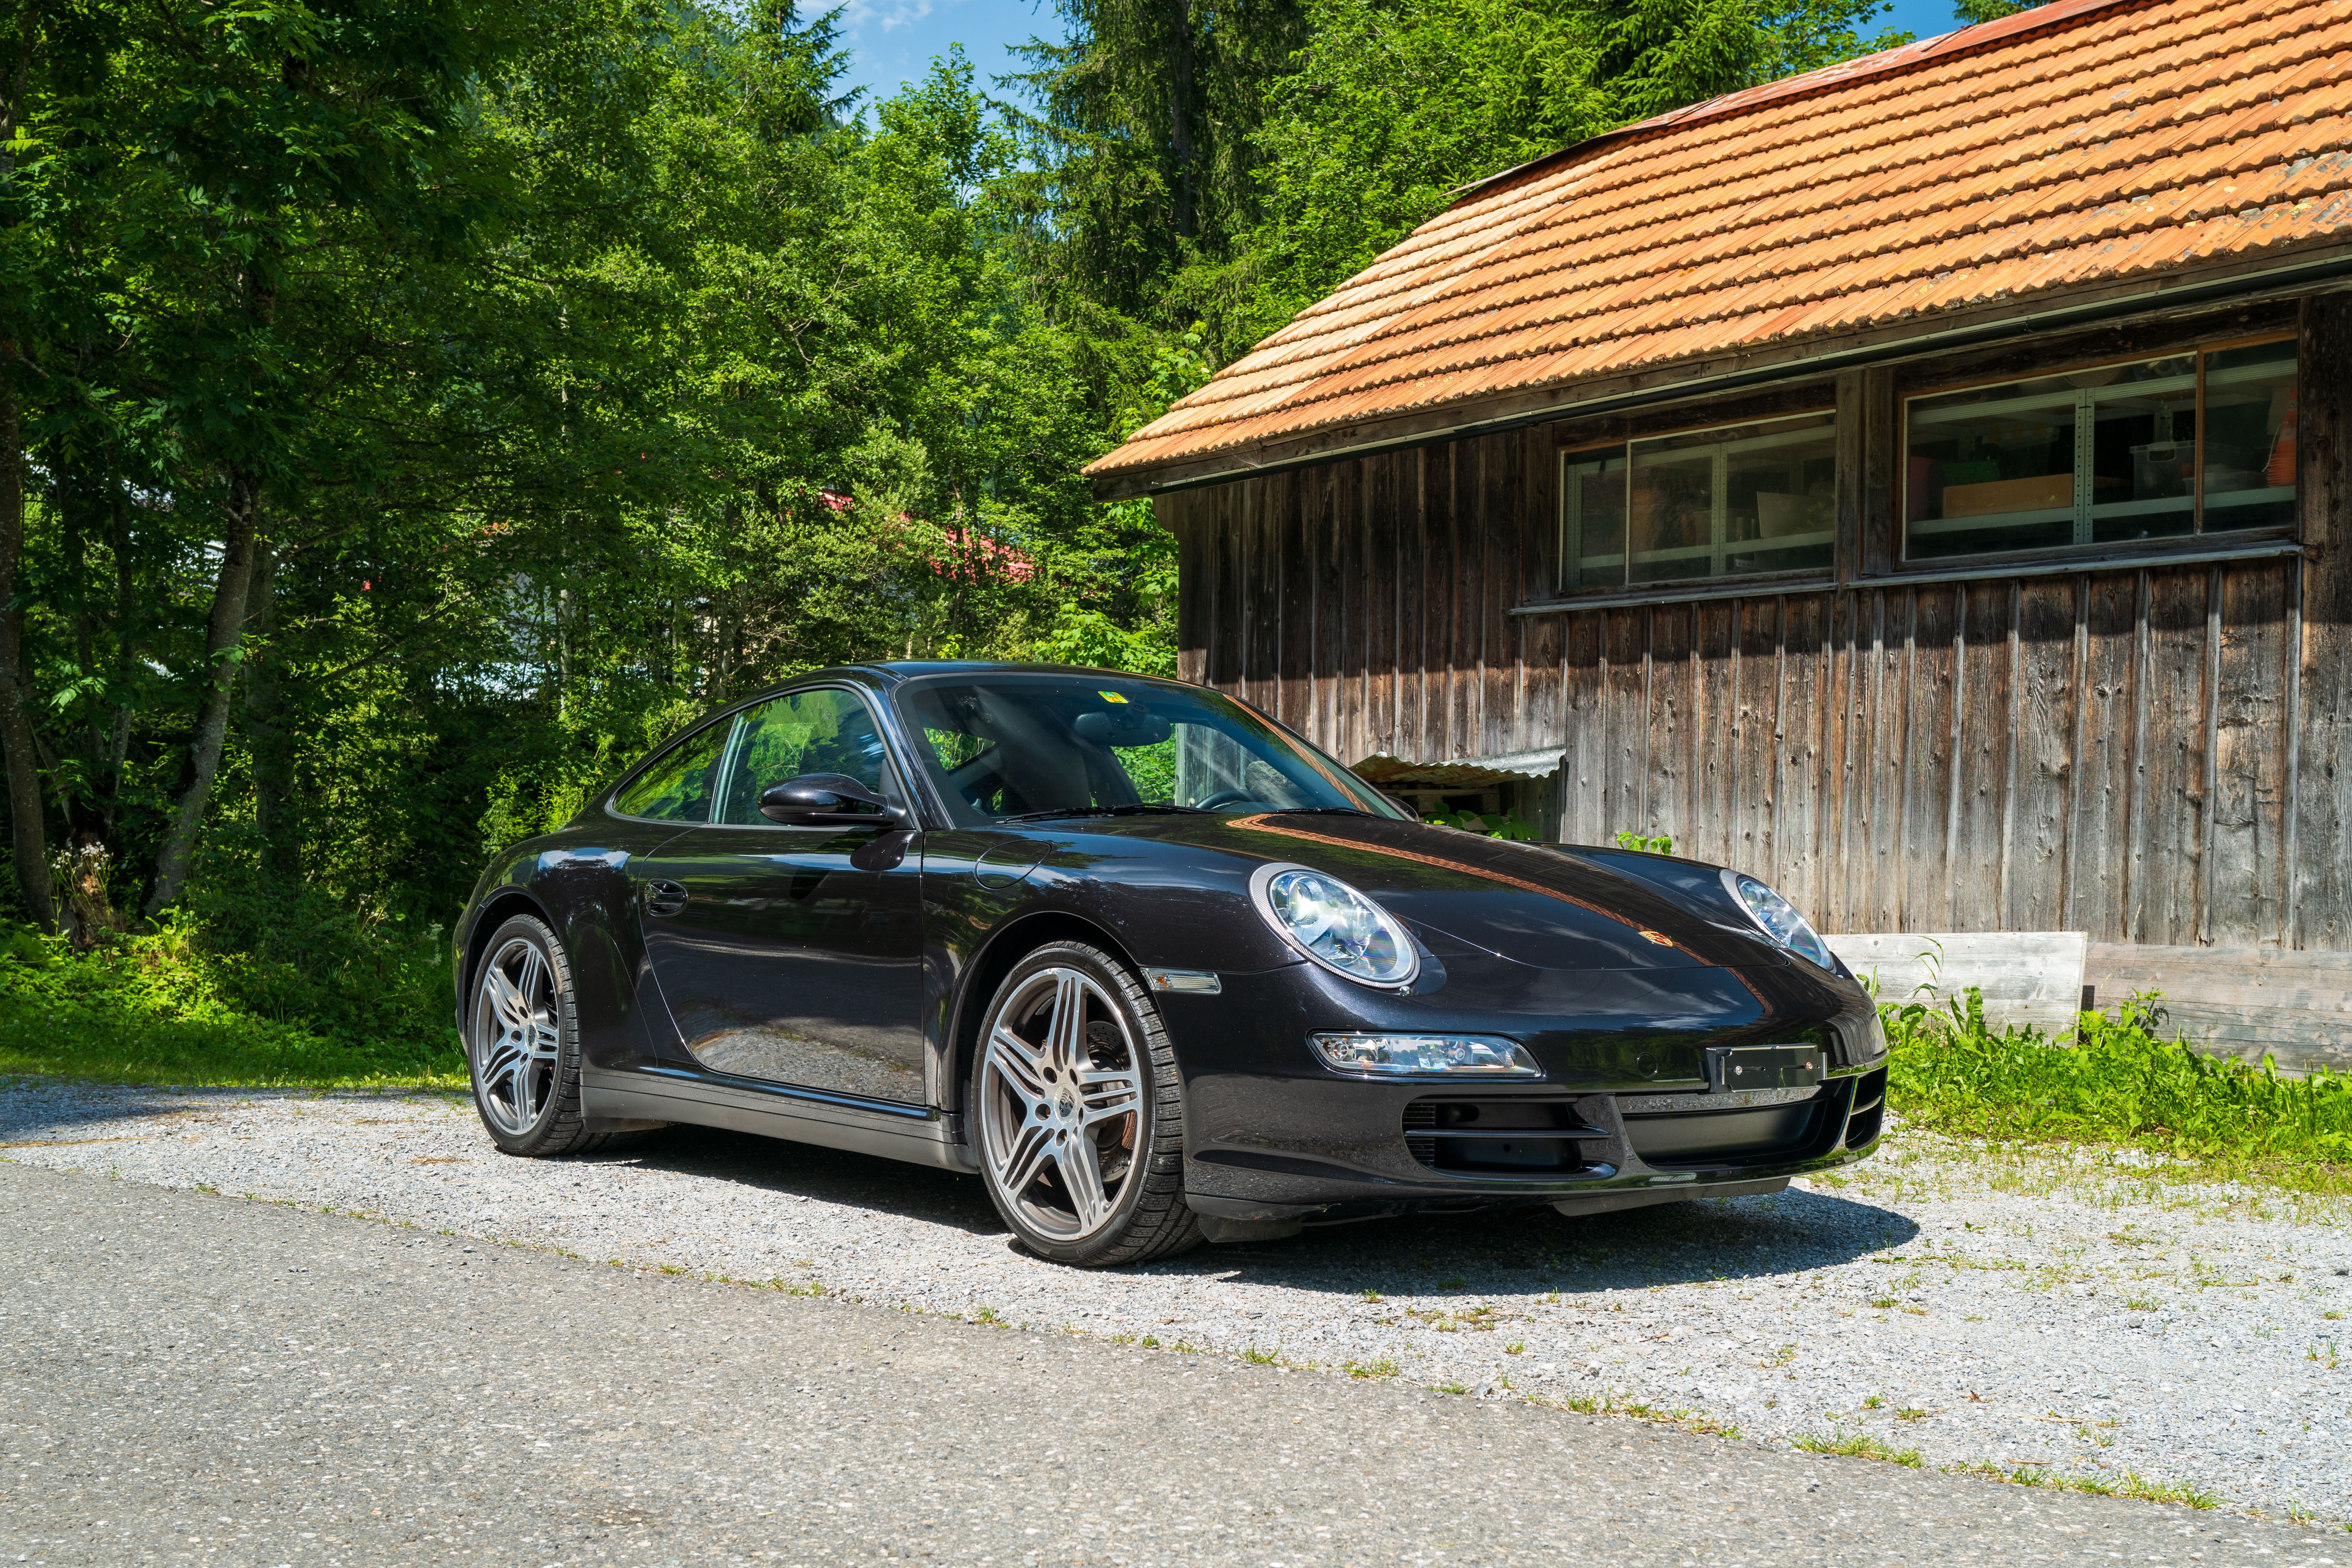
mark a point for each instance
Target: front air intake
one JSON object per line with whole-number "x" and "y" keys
{"x": 1499, "y": 1137}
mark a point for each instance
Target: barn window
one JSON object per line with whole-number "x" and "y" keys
{"x": 1733, "y": 501}
{"x": 2112, "y": 454}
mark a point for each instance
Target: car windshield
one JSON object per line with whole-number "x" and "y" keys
{"x": 1003, "y": 747}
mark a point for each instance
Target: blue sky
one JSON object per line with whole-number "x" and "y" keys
{"x": 892, "y": 41}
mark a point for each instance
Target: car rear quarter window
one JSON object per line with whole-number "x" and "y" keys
{"x": 675, "y": 787}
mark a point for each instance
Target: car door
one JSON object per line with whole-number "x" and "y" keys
{"x": 795, "y": 954}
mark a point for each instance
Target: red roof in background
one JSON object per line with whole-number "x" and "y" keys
{"x": 2082, "y": 143}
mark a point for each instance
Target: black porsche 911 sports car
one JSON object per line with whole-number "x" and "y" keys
{"x": 1153, "y": 967}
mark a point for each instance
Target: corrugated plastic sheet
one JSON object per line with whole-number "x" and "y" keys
{"x": 2004, "y": 163}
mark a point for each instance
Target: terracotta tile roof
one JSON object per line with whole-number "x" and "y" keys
{"x": 2078, "y": 145}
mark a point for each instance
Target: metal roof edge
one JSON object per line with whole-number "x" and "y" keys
{"x": 2293, "y": 277}
{"x": 1536, "y": 762}
{"x": 1863, "y": 67}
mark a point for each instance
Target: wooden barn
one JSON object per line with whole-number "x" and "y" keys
{"x": 1925, "y": 483}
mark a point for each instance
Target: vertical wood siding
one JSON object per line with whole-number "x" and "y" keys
{"x": 2158, "y": 755}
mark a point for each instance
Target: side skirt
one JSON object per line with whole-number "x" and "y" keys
{"x": 915, "y": 1133}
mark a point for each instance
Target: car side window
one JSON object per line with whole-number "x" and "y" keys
{"x": 676, "y": 786}
{"x": 827, "y": 730}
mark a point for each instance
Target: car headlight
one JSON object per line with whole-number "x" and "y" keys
{"x": 1777, "y": 918}
{"x": 1334, "y": 925}
{"x": 1425, "y": 1056}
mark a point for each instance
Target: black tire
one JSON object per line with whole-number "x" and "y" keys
{"x": 1138, "y": 1140}
{"x": 554, "y": 1125}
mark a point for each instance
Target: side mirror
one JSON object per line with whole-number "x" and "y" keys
{"x": 826, "y": 800}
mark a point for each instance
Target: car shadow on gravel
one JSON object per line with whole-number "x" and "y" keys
{"x": 807, "y": 1171}
{"x": 1752, "y": 1239}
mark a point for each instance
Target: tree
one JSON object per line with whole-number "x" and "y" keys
{"x": 1144, "y": 131}
{"x": 1397, "y": 103}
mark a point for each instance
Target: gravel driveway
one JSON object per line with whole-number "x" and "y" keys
{"x": 2074, "y": 1316}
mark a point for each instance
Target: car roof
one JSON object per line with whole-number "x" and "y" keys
{"x": 893, "y": 671}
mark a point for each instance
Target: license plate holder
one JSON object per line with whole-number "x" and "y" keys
{"x": 1730, "y": 1068}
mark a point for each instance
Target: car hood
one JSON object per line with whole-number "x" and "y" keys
{"x": 1545, "y": 905}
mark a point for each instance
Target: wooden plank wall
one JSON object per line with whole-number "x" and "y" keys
{"x": 2102, "y": 753}
{"x": 2157, "y": 755}
{"x": 1367, "y": 605}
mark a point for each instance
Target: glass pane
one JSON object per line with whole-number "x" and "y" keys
{"x": 1010, "y": 745}
{"x": 2247, "y": 460}
{"x": 1781, "y": 497}
{"x": 1670, "y": 512}
{"x": 1594, "y": 505}
{"x": 826, "y": 732}
{"x": 2143, "y": 435}
{"x": 1742, "y": 499}
{"x": 676, "y": 786}
{"x": 1991, "y": 469}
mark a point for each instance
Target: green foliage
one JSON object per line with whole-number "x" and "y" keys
{"x": 647, "y": 380}
{"x": 1973, "y": 11}
{"x": 334, "y": 1002}
{"x": 1494, "y": 825}
{"x": 1647, "y": 844}
{"x": 2113, "y": 1078}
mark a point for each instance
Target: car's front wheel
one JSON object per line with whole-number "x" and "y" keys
{"x": 522, "y": 1045}
{"x": 1078, "y": 1111}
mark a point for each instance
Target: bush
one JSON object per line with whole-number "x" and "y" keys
{"x": 2113, "y": 1078}
{"x": 236, "y": 991}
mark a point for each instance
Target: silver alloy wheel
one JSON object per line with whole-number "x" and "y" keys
{"x": 1061, "y": 1098}
{"x": 516, "y": 1037}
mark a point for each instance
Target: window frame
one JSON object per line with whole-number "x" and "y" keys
{"x": 2195, "y": 541}
{"x": 1567, "y": 454}
{"x": 895, "y": 785}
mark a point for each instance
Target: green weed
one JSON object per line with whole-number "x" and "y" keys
{"x": 2130, "y": 1484}
{"x": 2116, "y": 1078}
{"x": 1857, "y": 1445}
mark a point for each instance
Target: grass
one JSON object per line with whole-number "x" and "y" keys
{"x": 2130, "y": 1484}
{"x": 1857, "y": 1446}
{"x": 2114, "y": 1078}
{"x": 352, "y": 1005}
{"x": 1606, "y": 1403}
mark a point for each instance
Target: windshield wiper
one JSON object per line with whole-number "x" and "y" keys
{"x": 1103, "y": 811}
{"x": 1319, "y": 811}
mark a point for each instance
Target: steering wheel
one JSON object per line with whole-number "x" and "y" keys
{"x": 1223, "y": 797}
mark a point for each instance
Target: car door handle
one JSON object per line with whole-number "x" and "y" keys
{"x": 664, "y": 897}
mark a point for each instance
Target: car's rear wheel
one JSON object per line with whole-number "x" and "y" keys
{"x": 522, "y": 1045}
{"x": 1078, "y": 1111}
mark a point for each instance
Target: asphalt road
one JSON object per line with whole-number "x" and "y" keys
{"x": 190, "y": 1378}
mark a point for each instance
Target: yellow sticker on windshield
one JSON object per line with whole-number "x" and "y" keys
{"x": 1110, "y": 696}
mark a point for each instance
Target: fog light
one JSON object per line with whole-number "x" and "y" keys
{"x": 1425, "y": 1056}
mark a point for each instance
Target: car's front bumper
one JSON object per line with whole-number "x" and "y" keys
{"x": 1621, "y": 1117}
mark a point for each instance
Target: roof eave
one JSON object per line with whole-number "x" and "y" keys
{"x": 2326, "y": 266}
